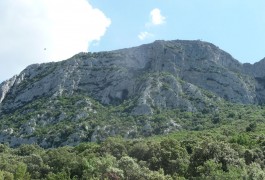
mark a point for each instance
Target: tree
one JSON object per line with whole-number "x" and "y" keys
{"x": 59, "y": 176}
{"x": 21, "y": 172}
{"x": 139, "y": 151}
{"x": 251, "y": 127}
{"x": 168, "y": 155}
{"x": 219, "y": 152}
{"x": 4, "y": 175}
{"x": 115, "y": 147}
{"x": 255, "y": 172}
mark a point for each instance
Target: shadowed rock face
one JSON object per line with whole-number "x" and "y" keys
{"x": 257, "y": 71}
{"x": 164, "y": 74}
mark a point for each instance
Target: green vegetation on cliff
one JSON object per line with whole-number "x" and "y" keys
{"x": 227, "y": 144}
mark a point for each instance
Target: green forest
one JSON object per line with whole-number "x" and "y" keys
{"x": 229, "y": 144}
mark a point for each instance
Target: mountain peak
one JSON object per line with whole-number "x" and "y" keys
{"x": 111, "y": 77}
{"x": 179, "y": 74}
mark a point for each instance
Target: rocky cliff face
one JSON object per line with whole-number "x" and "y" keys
{"x": 257, "y": 72}
{"x": 161, "y": 75}
{"x": 158, "y": 74}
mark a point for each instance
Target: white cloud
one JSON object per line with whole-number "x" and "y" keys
{"x": 34, "y": 31}
{"x": 156, "y": 17}
{"x": 144, "y": 35}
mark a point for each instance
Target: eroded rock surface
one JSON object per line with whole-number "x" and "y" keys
{"x": 161, "y": 75}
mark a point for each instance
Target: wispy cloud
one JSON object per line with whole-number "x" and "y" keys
{"x": 143, "y": 35}
{"x": 156, "y": 17}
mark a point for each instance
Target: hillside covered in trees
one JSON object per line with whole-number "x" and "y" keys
{"x": 229, "y": 145}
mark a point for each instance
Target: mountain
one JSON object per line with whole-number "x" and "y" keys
{"x": 65, "y": 102}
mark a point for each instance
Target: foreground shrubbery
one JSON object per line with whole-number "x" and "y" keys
{"x": 228, "y": 143}
{"x": 227, "y": 152}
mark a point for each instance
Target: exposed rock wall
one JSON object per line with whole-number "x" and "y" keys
{"x": 111, "y": 77}
{"x": 157, "y": 76}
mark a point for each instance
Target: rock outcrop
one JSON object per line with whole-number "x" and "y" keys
{"x": 161, "y": 75}
{"x": 158, "y": 74}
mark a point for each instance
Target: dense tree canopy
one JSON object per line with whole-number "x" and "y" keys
{"x": 230, "y": 145}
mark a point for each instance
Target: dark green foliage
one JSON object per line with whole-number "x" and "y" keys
{"x": 219, "y": 152}
{"x": 228, "y": 143}
{"x": 26, "y": 150}
{"x": 251, "y": 127}
{"x": 115, "y": 147}
{"x": 208, "y": 154}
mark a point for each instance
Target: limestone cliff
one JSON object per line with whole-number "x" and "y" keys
{"x": 161, "y": 75}
{"x": 112, "y": 77}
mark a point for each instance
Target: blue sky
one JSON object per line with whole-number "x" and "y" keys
{"x": 236, "y": 26}
{"x": 38, "y": 31}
